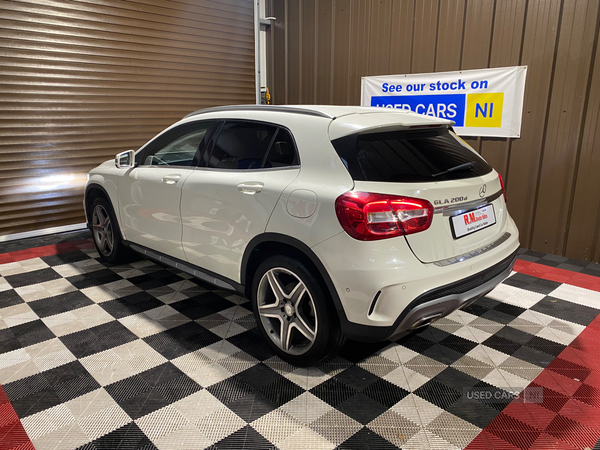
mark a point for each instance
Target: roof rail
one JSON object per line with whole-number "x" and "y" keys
{"x": 285, "y": 109}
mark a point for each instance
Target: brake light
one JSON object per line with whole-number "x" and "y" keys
{"x": 368, "y": 217}
{"x": 502, "y": 186}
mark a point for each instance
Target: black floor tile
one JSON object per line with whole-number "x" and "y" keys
{"x": 511, "y": 310}
{"x": 27, "y": 386}
{"x": 530, "y": 283}
{"x": 243, "y": 439}
{"x": 515, "y": 335}
{"x": 161, "y": 374}
{"x": 385, "y": 393}
{"x": 366, "y": 439}
{"x": 193, "y": 309}
{"x": 96, "y": 278}
{"x": 432, "y": 334}
{"x": 443, "y": 354}
{"x": 333, "y": 392}
{"x": 33, "y": 277}
{"x": 562, "y": 309}
{"x": 252, "y": 406}
{"x": 473, "y": 411}
{"x": 455, "y": 379}
{"x": 128, "y": 437}
{"x": 498, "y": 316}
{"x": 476, "y": 309}
{"x": 458, "y": 344}
{"x": 533, "y": 356}
{"x": 65, "y": 258}
{"x": 253, "y": 343}
{"x": 36, "y": 402}
{"x": 356, "y": 377}
{"x": 489, "y": 395}
{"x": 181, "y": 340}
{"x": 281, "y": 391}
{"x": 31, "y": 333}
{"x": 362, "y": 408}
{"x": 355, "y": 351}
{"x": 60, "y": 303}
{"x": 230, "y": 390}
{"x": 76, "y": 387}
{"x": 178, "y": 388}
{"x": 438, "y": 394}
{"x": 258, "y": 376}
{"x": 97, "y": 339}
{"x": 128, "y": 388}
{"x": 502, "y": 344}
{"x": 415, "y": 343}
{"x": 10, "y": 298}
{"x": 545, "y": 345}
{"x": 130, "y": 305}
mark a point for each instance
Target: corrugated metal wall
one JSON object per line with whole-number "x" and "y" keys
{"x": 81, "y": 80}
{"x": 319, "y": 50}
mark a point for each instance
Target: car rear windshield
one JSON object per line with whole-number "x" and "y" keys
{"x": 409, "y": 156}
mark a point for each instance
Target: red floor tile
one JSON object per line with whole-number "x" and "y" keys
{"x": 560, "y": 275}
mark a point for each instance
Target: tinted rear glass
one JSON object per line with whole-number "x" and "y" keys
{"x": 408, "y": 156}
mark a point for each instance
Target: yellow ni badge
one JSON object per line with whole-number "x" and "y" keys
{"x": 484, "y": 110}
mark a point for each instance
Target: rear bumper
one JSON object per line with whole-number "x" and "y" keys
{"x": 436, "y": 303}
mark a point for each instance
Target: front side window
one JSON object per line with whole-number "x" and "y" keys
{"x": 250, "y": 145}
{"x": 177, "y": 147}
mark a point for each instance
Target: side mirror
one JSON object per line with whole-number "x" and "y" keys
{"x": 125, "y": 160}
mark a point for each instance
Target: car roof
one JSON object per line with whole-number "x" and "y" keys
{"x": 345, "y": 120}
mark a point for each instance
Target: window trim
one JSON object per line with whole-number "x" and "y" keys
{"x": 159, "y": 140}
{"x": 215, "y": 136}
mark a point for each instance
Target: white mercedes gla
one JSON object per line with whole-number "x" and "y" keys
{"x": 334, "y": 221}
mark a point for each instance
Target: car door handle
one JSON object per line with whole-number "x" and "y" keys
{"x": 171, "y": 179}
{"x": 250, "y": 187}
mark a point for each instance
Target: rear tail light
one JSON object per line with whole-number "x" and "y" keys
{"x": 502, "y": 186}
{"x": 368, "y": 217}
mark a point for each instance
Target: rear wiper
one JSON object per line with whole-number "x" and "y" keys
{"x": 460, "y": 167}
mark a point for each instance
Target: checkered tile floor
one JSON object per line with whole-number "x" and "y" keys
{"x": 138, "y": 356}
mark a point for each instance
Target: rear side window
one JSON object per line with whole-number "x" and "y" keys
{"x": 244, "y": 145}
{"x": 409, "y": 156}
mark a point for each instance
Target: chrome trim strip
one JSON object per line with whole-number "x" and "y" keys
{"x": 450, "y": 210}
{"x": 473, "y": 253}
{"x": 285, "y": 109}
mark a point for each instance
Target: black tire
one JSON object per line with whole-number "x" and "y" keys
{"x": 106, "y": 233}
{"x": 303, "y": 308}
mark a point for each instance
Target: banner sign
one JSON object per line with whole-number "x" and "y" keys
{"x": 482, "y": 102}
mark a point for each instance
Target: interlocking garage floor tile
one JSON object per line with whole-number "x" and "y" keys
{"x": 96, "y": 356}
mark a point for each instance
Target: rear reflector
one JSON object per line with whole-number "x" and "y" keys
{"x": 367, "y": 217}
{"x": 502, "y": 185}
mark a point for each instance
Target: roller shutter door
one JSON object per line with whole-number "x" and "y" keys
{"x": 83, "y": 80}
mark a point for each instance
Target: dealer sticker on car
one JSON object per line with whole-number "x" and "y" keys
{"x": 471, "y": 221}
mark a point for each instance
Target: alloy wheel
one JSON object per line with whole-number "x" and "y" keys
{"x": 103, "y": 230}
{"x": 287, "y": 311}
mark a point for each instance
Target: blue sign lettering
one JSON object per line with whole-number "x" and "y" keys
{"x": 448, "y": 106}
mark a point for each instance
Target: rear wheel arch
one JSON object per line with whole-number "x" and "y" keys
{"x": 265, "y": 245}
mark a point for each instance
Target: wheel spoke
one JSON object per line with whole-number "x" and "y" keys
{"x": 284, "y": 335}
{"x": 303, "y": 328}
{"x": 109, "y": 239}
{"x": 276, "y": 286}
{"x": 271, "y": 310}
{"x": 297, "y": 293}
